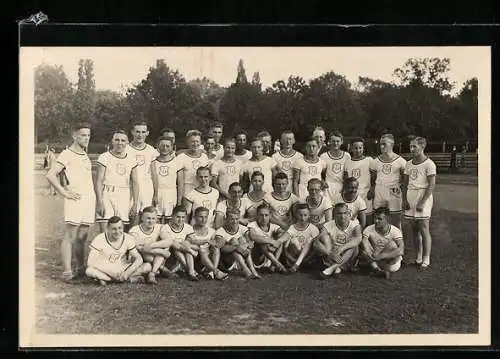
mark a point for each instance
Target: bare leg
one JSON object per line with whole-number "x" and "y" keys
{"x": 417, "y": 241}
{"x": 190, "y": 265}
{"x": 251, "y": 266}
{"x": 181, "y": 257}
{"x": 272, "y": 258}
{"x": 67, "y": 243}
{"x": 103, "y": 278}
{"x": 79, "y": 248}
{"x": 241, "y": 262}
{"x": 423, "y": 225}
{"x": 396, "y": 219}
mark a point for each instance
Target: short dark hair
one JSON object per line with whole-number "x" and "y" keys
{"x": 357, "y": 139}
{"x": 167, "y": 129}
{"x": 263, "y": 206}
{"x": 113, "y": 220}
{"x": 382, "y": 210}
{"x": 216, "y": 125}
{"x": 164, "y": 138}
{"x": 149, "y": 209}
{"x": 79, "y": 125}
{"x": 178, "y": 209}
{"x": 139, "y": 123}
{"x": 202, "y": 168}
{"x": 231, "y": 210}
{"x": 339, "y": 205}
{"x": 119, "y": 131}
{"x": 198, "y": 210}
{"x": 312, "y": 139}
{"x": 230, "y": 139}
{"x": 281, "y": 175}
{"x": 301, "y": 206}
{"x": 336, "y": 133}
{"x": 349, "y": 180}
{"x": 234, "y": 184}
{"x": 314, "y": 181}
{"x": 263, "y": 134}
{"x": 255, "y": 174}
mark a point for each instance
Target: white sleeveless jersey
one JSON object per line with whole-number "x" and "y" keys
{"x": 143, "y": 157}
{"x": 301, "y": 237}
{"x": 281, "y": 207}
{"x": 285, "y": 164}
{"x": 354, "y": 207}
{"x": 335, "y": 166}
{"x": 417, "y": 174}
{"x": 388, "y": 173}
{"x": 207, "y": 200}
{"x": 227, "y": 172}
{"x": 308, "y": 170}
{"x": 167, "y": 233}
{"x": 78, "y": 170}
{"x": 227, "y": 236}
{"x": 190, "y": 165}
{"x": 360, "y": 169}
{"x": 340, "y": 236}
{"x": 118, "y": 170}
{"x": 113, "y": 252}
{"x": 265, "y": 165}
{"x": 141, "y": 237}
{"x": 317, "y": 212}
{"x": 166, "y": 172}
{"x": 379, "y": 241}
{"x": 222, "y": 208}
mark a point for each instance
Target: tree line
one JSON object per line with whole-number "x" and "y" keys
{"x": 418, "y": 101}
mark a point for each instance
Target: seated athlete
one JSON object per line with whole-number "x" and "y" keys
{"x": 233, "y": 241}
{"x": 338, "y": 242}
{"x": 109, "y": 255}
{"x": 281, "y": 201}
{"x": 202, "y": 239}
{"x": 268, "y": 249}
{"x": 298, "y": 239}
{"x": 146, "y": 234}
{"x": 382, "y": 246}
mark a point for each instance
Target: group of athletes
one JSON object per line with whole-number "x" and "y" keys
{"x": 218, "y": 208}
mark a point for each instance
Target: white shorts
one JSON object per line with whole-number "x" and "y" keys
{"x": 389, "y": 197}
{"x": 333, "y": 189}
{"x": 111, "y": 269}
{"x": 167, "y": 200}
{"x": 82, "y": 211}
{"x": 369, "y": 203}
{"x": 413, "y": 196}
{"x": 145, "y": 194}
{"x": 116, "y": 203}
{"x": 392, "y": 265}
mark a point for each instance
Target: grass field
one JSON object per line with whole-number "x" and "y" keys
{"x": 443, "y": 299}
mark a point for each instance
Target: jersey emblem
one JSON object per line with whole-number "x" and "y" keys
{"x": 206, "y": 204}
{"x": 301, "y": 240}
{"x": 230, "y": 170}
{"x": 413, "y": 173}
{"x": 163, "y": 170}
{"x": 140, "y": 159}
{"x": 313, "y": 170}
{"x": 340, "y": 238}
{"x": 337, "y": 168}
{"x": 114, "y": 257}
{"x": 257, "y": 169}
{"x": 282, "y": 210}
{"x": 356, "y": 173}
{"x": 120, "y": 169}
{"x": 286, "y": 165}
{"x": 386, "y": 168}
{"x": 196, "y": 164}
{"x": 314, "y": 218}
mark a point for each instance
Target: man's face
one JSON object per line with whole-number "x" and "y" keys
{"x": 342, "y": 215}
{"x": 194, "y": 142}
{"x": 115, "y": 230}
{"x": 149, "y": 220}
{"x": 241, "y": 141}
{"x": 386, "y": 145}
{"x": 314, "y": 190}
{"x": 229, "y": 149}
{"x": 257, "y": 149}
{"x": 140, "y": 133}
{"x": 266, "y": 142}
{"x": 178, "y": 218}
{"x": 311, "y": 148}
{"x": 287, "y": 140}
{"x": 319, "y": 136}
{"x": 210, "y": 144}
{"x": 352, "y": 188}
{"x": 165, "y": 147}
{"x": 415, "y": 148}
{"x": 82, "y": 137}
{"x": 217, "y": 133}
{"x": 257, "y": 182}
{"x": 263, "y": 217}
{"x": 335, "y": 142}
{"x": 169, "y": 134}
{"x": 203, "y": 177}
{"x": 357, "y": 149}
{"x": 119, "y": 142}
{"x": 280, "y": 185}
{"x": 235, "y": 192}
{"x": 201, "y": 218}
{"x": 303, "y": 215}
{"x": 232, "y": 219}
{"x": 380, "y": 221}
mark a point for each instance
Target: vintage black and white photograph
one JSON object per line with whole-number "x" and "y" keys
{"x": 212, "y": 194}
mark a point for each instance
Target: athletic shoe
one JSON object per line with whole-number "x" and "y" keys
{"x": 136, "y": 279}
{"x": 323, "y": 276}
{"x": 424, "y": 266}
{"x": 152, "y": 278}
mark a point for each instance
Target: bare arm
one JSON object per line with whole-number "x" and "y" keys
{"x": 180, "y": 186}
{"x": 429, "y": 190}
{"x": 398, "y": 251}
{"x": 154, "y": 179}
{"x": 295, "y": 184}
{"x": 188, "y": 205}
{"x": 52, "y": 177}
{"x": 137, "y": 262}
{"x": 323, "y": 243}
{"x": 354, "y": 242}
{"x": 219, "y": 220}
{"x": 259, "y": 238}
{"x": 98, "y": 188}
{"x": 328, "y": 214}
{"x": 135, "y": 190}
{"x": 362, "y": 218}
{"x": 373, "y": 179}
{"x": 303, "y": 253}
{"x": 404, "y": 188}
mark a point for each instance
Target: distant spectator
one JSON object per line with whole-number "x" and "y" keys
{"x": 50, "y": 157}
{"x": 462, "y": 157}
{"x": 453, "y": 161}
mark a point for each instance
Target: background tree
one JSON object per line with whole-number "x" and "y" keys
{"x": 85, "y": 96}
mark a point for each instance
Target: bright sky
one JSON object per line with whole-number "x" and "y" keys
{"x": 119, "y": 67}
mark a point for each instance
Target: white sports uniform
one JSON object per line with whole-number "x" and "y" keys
{"x": 354, "y": 207}
{"x": 417, "y": 185}
{"x": 222, "y": 208}
{"x": 166, "y": 175}
{"x": 285, "y": 165}
{"x": 317, "y": 212}
{"x": 338, "y": 236}
{"x": 388, "y": 183}
{"x": 202, "y": 240}
{"x": 308, "y": 170}
{"x": 207, "y": 200}
{"x": 111, "y": 259}
{"x": 244, "y": 157}
{"x": 273, "y": 232}
{"x": 167, "y": 233}
{"x": 334, "y": 174}
{"x": 116, "y": 185}
{"x": 141, "y": 238}
{"x": 281, "y": 207}
{"x": 251, "y": 206}
{"x": 377, "y": 242}
{"x": 190, "y": 165}
{"x": 236, "y": 238}
{"x": 227, "y": 172}
{"x": 144, "y": 157}
{"x": 298, "y": 239}
{"x": 78, "y": 170}
{"x": 360, "y": 169}
{"x": 265, "y": 165}
{"x": 219, "y": 153}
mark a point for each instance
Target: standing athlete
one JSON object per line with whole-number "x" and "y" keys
{"x": 241, "y": 153}
{"x": 191, "y": 159}
{"x": 144, "y": 154}
{"x": 335, "y": 159}
{"x": 387, "y": 177}
{"x": 79, "y": 198}
{"x": 286, "y": 156}
{"x": 259, "y": 163}
{"x": 419, "y": 183}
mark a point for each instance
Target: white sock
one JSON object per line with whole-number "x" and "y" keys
{"x": 427, "y": 260}
{"x": 419, "y": 257}
{"x": 329, "y": 270}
